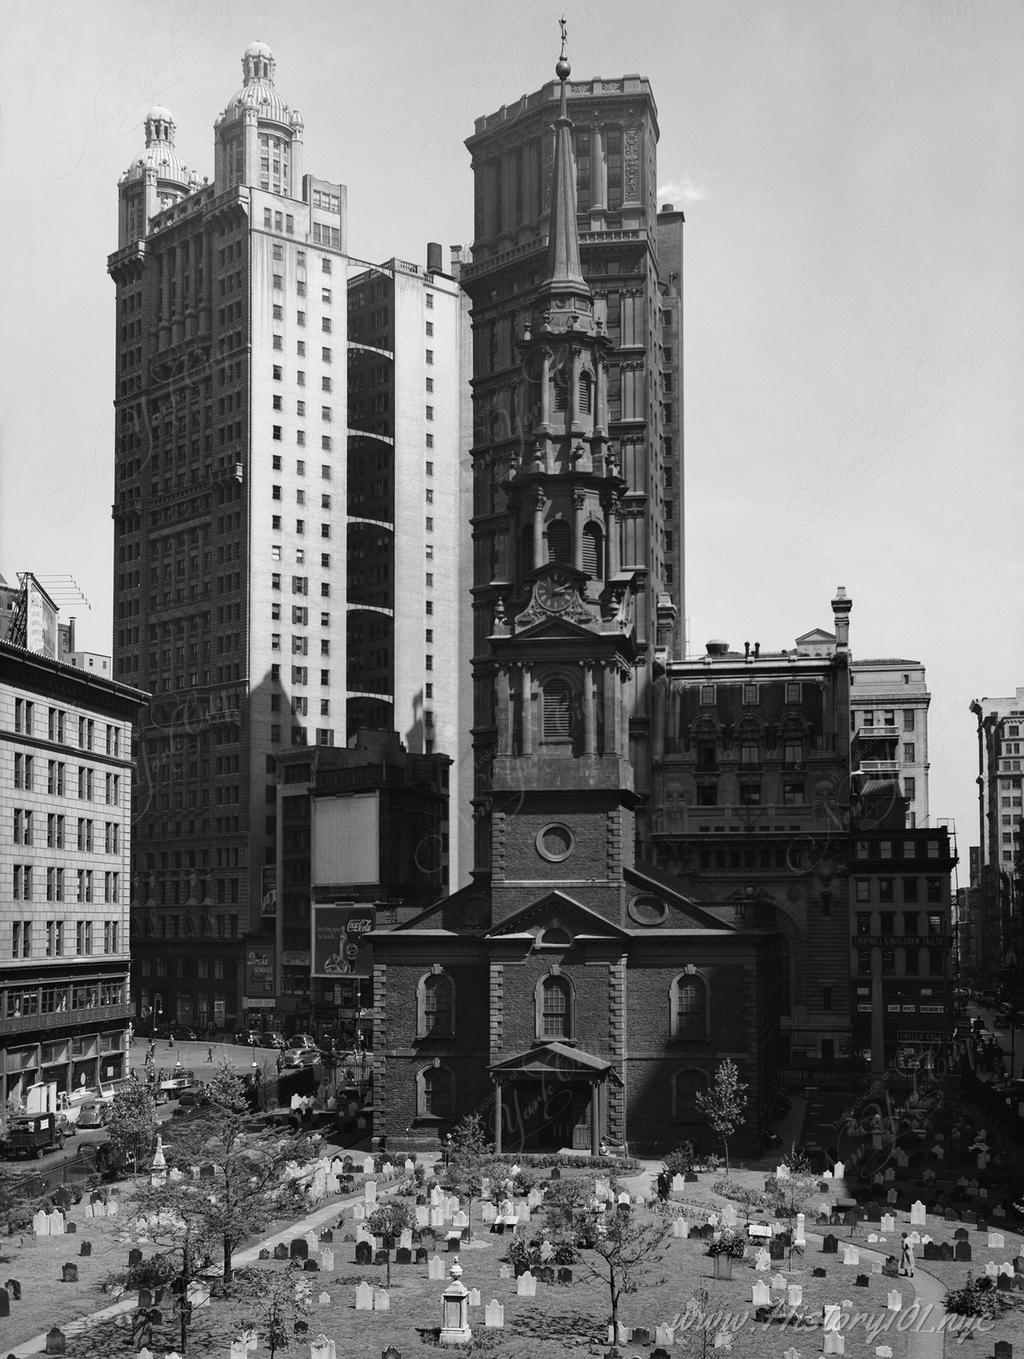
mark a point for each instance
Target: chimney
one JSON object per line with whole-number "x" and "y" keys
{"x": 435, "y": 258}
{"x": 841, "y": 607}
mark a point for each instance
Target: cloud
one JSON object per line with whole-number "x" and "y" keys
{"x": 683, "y": 190}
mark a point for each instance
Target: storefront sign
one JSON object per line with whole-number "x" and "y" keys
{"x": 259, "y": 971}
{"x": 268, "y": 890}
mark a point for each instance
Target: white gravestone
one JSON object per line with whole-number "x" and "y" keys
{"x": 526, "y": 1285}
{"x": 364, "y": 1297}
{"x": 494, "y": 1314}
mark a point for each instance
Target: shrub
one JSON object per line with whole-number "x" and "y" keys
{"x": 977, "y": 1298}
{"x": 727, "y": 1242}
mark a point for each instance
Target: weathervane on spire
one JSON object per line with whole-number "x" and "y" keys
{"x": 562, "y": 67}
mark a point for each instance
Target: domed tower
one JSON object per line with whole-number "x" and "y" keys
{"x": 158, "y": 179}
{"x": 258, "y": 138}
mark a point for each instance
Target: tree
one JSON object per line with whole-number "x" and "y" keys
{"x": 173, "y": 1215}
{"x": 274, "y": 1299}
{"x": 724, "y": 1103}
{"x": 467, "y": 1164}
{"x": 133, "y": 1122}
{"x": 250, "y": 1184}
{"x": 390, "y": 1220}
{"x": 625, "y": 1249}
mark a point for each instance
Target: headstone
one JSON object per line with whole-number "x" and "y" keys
{"x": 5, "y": 1302}
{"x": 526, "y": 1285}
{"x": 487, "y": 1214}
{"x": 794, "y": 1295}
{"x": 299, "y": 1248}
{"x": 69, "y": 1273}
{"x": 364, "y": 1253}
{"x": 358, "y": 1212}
{"x": 504, "y": 1272}
{"x": 760, "y": 1294}
{"x": 835, "y": 1343}
{"x": 423, "y": 1214}
{"x": 861, "y": 1281}
{"x": 280, "y": 1251}
{"x": 85, "y": 1248}
{"x": 381, "y": 1300}
{"x": 494, "y": 1314}
{"x": 368, "y": 1165}
{"x": 403, "y": 1256}
{"x": 830, "y": 1245}
{"x": 324, "y": 1299}
{"x": 370, "y": 1193}
{"x": 831, "y": 1316}
{"x": 41, "y": 1223}
{"x": 364, "y": 1297}
{"x": 680, "y": 1228}
{"x": 310, "y": 1266}
{"x": 851, "y": 1255}
{"x": 327, "y": 1258}
{"x": 996, "y": 1240}
{"x": 55, "y": 1342}
{"x": 818, "y": 1272}
{"x": 763, "y": 1261}
{"x": 962, "y": 1253}
{"x": 1003, "y": 1350}
{"x": 435, "y": 1269}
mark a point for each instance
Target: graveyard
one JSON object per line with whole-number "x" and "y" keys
{"x": 496, "y": 1274}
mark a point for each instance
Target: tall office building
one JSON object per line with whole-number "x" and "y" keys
{"x": 235, "y": 527}
{"x": 890, "y": 697}
{"x": 999, "y": 936}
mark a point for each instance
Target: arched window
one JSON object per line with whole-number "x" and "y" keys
{"x": 585, "y": 388}
{"x": 686, "y": 1085}
{"x": 435, "y": 1005}
{"x": 689, "y": 1006}
{"x": 559, "y": 541}
{"x": 435, "y": 1093}
{"x": 554, "y": 1008}
{"x": 558, "y": 710}
{"x": 561, "y": 390}
{"x": 593, "y": 552}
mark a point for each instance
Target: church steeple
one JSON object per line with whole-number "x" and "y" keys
{"x": 564, "y": 271}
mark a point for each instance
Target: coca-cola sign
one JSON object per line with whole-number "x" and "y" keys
{"x": 340, "y": 947}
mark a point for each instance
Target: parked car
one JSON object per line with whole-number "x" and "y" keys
{"x": 249, "y": 1037}
{"x": 273, "y": 1039}
{"x": 303, "y": 1040}
{"x": 33, "y": 1135}
{"x": 299, "y": 1057}
{"x": 95, "y": 1114}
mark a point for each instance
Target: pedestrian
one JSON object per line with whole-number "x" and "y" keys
{"x": 280, "y": 1064}
{"x": 209, "y": 1053}
{"x": 664, "y": 1184}
{"x": 906, "y": 1256}
{"x": 170, "y": 1041}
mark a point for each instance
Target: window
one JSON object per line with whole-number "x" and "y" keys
{"x": 909, "y": 752}
{"x": 436, "y": 1004}
{"x": 558, "y": 710}
{"x": 792, "y": 691}
{"x": 909, "y": 889}
{"x": 707, "y": 695}
{"x": 908, "y": 719}
{"x": 862, "y": 889}
{"x": 910, "y": 788}
{"x": 554, "y": 1005}
{"x": 435, "y": 1092}
{"x": 749, "y": 694}
{"x": 689, "y": 1007}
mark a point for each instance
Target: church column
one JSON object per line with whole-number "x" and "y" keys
{"x": 503, "y": 688}
{"x": 539, "y": 555}
{"x": 595, "y": 1118}
{"x": 589, "y": 724}
{"x": 578, "y": 503}
{"x": 601, "y": 398}
{"x": 526, "y": 703}
{"x": 659, "y": 719}
{"x": 598, "y": 172}
{"x": 545, "y": 389}
{"x": 497, "y": 1115}
{"x": 612, "y": 536}
{"x": 251, "y": 148}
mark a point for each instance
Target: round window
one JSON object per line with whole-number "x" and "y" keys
{"x": 555, "y": 842}
{"x": 647, "y": 910}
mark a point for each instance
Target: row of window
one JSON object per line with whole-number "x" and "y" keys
{"x": 56, "y": 779}
{"x": 25, "y": 935}
{"x": 709, "y": 693}
{"x": 888, "y": 849}
{"x": 555, "y": 1006}
{"x": 936, "y": 960}
{"x": 909, "y": 889}
{"x": 25, "y": 881}
{"x": 935, "y": 924}
{"x": 884, "y": 718}
{"x": 49, "y": 1000}
{"x": 57, "y": 727}
{"x": 26, "y": 822}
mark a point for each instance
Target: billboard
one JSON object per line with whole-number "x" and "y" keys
{"x": 339, "y": 940}
{"x": 259, "y": 970}
{"x": 40, "y": 619}
{"x": 346, "y": 840}
{"x": 268, "y": 890}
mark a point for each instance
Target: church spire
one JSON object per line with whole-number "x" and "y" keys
{"x": 564, "y": 271}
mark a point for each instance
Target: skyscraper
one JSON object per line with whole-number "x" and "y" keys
{"x": 242, "y": 515}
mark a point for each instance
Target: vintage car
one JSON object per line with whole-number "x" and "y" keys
{"x": 33, "y": 1135}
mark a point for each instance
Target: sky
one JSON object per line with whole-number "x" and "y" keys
{"x": 852, "y": 182}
